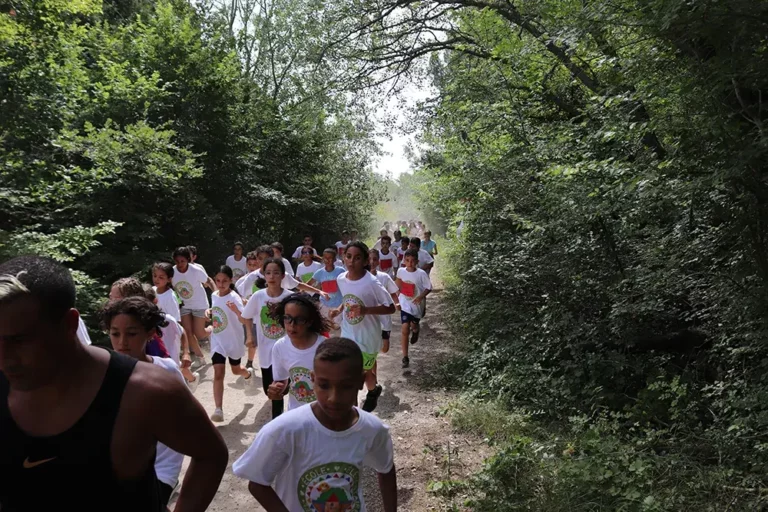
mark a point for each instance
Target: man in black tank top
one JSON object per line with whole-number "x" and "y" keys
{"x": 79, "y": 425}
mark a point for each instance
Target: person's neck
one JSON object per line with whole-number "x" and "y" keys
{"x": 373, "y": 271}
{"x": 336, "y": 424}
{"x": 274, "y": 291}
{"x": 355, "y": 276}
{"x": 161, "y": 290}
{"x": 410, "y": 269}
{"x": 304, "y": 342}
{"x": 238, "y": 258}
{"x": 308, "y": 263}
{"x": 385, "y": 252}
{"x": 70, "y": 370}
{"x": 329, "y": 267}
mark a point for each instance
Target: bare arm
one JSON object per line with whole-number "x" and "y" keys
{"x": 378, "y": 310}
{"x": 181, "y": 423}
{"x": 267, "y": 497}
{"x": 248, "y": 331}
{"x": 388, "y": 488}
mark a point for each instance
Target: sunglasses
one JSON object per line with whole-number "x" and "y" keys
{"x": 295, "y": 320}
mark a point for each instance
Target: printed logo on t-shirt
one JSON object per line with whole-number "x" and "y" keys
{"x": 349, "y": 301}
{"x": 301, "y": 385}
{"x": 269, "y": 325}
{"x": 218, "y": 319}
{"x": 237, "y": 273}
{"x": 185, "y": 289}
{"x": 177, "y": 298}
{"x": 331, "y": 487}
{"x": 255, "y": 287}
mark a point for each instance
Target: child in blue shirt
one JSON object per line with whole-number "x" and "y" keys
{"x": 325, "y": 279}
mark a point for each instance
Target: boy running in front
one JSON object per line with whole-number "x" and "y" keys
{"x": 312, "y": 457}
{"x": 414, "y": 287}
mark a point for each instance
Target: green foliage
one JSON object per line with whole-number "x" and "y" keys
{"x": 131, "y": 128}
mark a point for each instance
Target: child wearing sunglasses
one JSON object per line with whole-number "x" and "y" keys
{"x": 293, "y": 354}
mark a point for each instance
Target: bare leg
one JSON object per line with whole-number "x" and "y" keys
{"x": 188, "y": 324}
{"x": 218, "y": 385}
{"x": 200, "y": 333}
{"x": 370, "y": 379}
{"x": 242, "y": 372}
{"x": 404, "y": 332}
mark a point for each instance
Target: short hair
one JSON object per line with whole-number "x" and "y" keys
{"x": 192, "y": 250}
{"x": 253, "y": 255}
{"x": 47, "y": 281}
{"x": 147, "y": 313}
{"x": 411, "y": 252}
{"x": 330, "y": 250}
{"x": 415, "y": 241}
{"x": 307, "y": 236}
{"x": 405, "y": 240}
{"x": 374, "y": 251}
{"x": 183, "y": 252}
{"x": 129, "y": 287}
{"x": 266, "y": 249}
{"x": 354, "y": 230}
{"x": 338, "y": 349}
{"x": 276, "y": 261}
{"x": 149, "y": 292}
{"x": 278, "y": 246}
{"x": 398, "y": 232}
{"x": 387, "y": 238}
{"x": 345, "y": 232}
{"x": 239, "y": 244}
{"x": 428, "y": 233}
{"x": 386, "y": 232}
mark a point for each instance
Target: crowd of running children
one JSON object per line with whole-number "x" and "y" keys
{"x": 315, "y": 332}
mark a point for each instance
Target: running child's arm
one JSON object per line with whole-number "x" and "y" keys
{"x": 311, "y": 289}
{"x": 395, "y": 301}
{"x": 186, "y": 358}
{"x": 423, "y": 295}
{"x": 233, "y": 307}
{"x": 267, "y": 497}
{"x": 388, "y": 488}
{"x": 248, "y": 323}
{"x": 434, "y": 250}
{"x": 373, "y": 310}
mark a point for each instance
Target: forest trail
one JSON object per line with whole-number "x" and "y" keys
{"x": 426, "y": 449}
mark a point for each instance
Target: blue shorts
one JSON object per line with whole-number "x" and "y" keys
{"x": 407, "y": 318}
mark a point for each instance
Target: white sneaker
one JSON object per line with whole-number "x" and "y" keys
{"x": 218, "y": 415}
{"x": 193, "y": 385}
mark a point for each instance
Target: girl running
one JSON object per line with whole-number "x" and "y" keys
{"x": 307, "y": 268}
{"x": 190, "y": 283}
{"x": 227, "y": 336}
{"x": 364, "y": 300}
{"x": 131, "y": 323}
{"x": 237, "y": 261}
{"x": 132, "y": 287}
{"x": 167, "y": 299}
{"x": 268, "y": 330}
{"x": 293, "y": 355}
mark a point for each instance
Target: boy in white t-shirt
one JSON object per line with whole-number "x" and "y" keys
{"x": 237, "y": 261}
{"x": 342, "y": 244}
{"x": 312, "y": 458}
{"x": 414, "y": 287}
{"x": 307, "y": 244}
{"x": 388, "y": 261}
{"x": 278, "y": 250}
{"x": 426, "y": 262}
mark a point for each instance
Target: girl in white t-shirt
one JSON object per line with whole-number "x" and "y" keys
{"x": 190, "y": 283}
{"x": 293, "y": 355}
{"x": 227, "y": 336}
{"x": 364, "y": 300}
{"x": 268, "y": 330}
{"x": 237, "y": 261}
{"x": 307, "y": 268}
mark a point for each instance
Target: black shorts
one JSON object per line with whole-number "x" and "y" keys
{"x": 385, "y": 335}
{"x": 217, "y": 358}
{"x": 408, "y": 318}
{"x": 165, "y": 493}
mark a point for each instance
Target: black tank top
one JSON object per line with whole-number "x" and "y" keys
{"x": 77, "y": 470}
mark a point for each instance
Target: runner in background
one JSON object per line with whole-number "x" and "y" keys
{"x": 277, "y": 249}
{"x": 325, "y": 279}
{"x": 237, "y": 262}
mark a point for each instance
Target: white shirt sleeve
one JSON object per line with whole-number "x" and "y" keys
{"x": 251, "y": 310}
{"x": 380, "y": 457}
{"x": 426, "y": 257}
{"x": 279, "y": 371}
{"x": 82, "y": 333}
{"x": 264, "y": 459}
{"x": 297, "y": 253}
{"x": 426, "y": 283}
{"x": 289, "y": 282}
{"x": 382, "y": 297}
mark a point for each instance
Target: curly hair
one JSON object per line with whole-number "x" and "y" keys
{"x": 129, "y": 287}
{"x": 147, "y": 313}
{"x": 317, "y": 323}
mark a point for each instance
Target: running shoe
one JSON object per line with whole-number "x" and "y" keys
{"x": 414, "y": 337}
{"x": 372, "y": 399}
{"x": 406, "y": 362}
{"x": 218, "y": 415}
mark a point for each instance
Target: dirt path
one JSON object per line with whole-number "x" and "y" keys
{"x": 425, "y": 448}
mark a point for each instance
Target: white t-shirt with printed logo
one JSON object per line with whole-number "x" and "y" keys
{"x": 168, "y": 462}
{"x": 246, "y": 286}
{"x": 425, "y": 259}
{"x": 239, "y": 268}
{"x": 391, "y": 258}
{"x": 391, "y": 287}
{"x": 228, "y": 336}
{"x": 304, "y": 273}
{"x": 365, "y": 330}
{"x": 310, "y": 466}
{"x": 268, "y": 330}
{"x": 288, "y": 362}
{"x": 414, "y": 285}
{"x": 171, "y": 335}
{"x": 189, "y": 286}
{"x": 168, "y": 302}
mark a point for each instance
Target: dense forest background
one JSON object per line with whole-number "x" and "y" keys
{"x": 606, "y": 162}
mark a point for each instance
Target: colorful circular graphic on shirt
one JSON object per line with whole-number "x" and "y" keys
{"x": 269, "y": 326}
{"x": 237, "y": 273}
{"x": 255, "y": 287}
{"x": 184, "y": 289}
{"x": 218, "y": 319}
{"x": 301, "y": 384}
{"x": 349, "y": 301}
{"x": 331, "y": 487}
